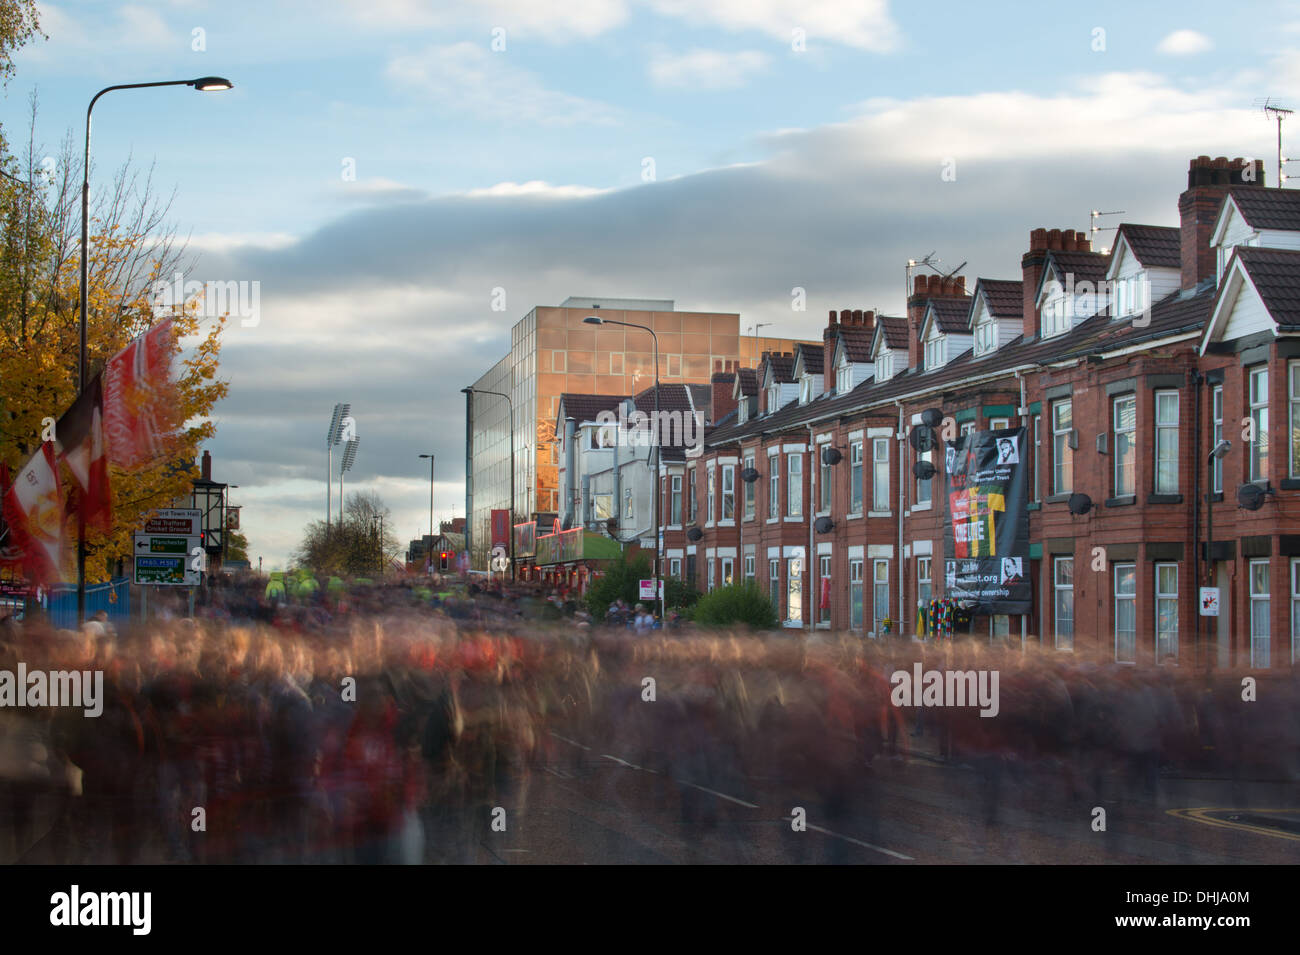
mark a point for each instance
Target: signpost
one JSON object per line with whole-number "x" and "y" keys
{"x": 168, "y": 550}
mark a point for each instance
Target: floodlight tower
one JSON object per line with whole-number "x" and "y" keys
{"x": 349, "y": 455}
{"x": 332, "y": 438}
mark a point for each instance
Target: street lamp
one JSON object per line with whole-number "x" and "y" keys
{"x": 430, "y": 457}
{"x": 510, "y": 408}
{"x": 654, "y": 430}
{"x": 204, "y": 84}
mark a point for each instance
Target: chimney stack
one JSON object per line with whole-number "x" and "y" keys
{"x": 1031, "y": 267}
{"x": 205, "y": 466}
{"x": 1208, "y": 182}
{"x": 721, "y": 400}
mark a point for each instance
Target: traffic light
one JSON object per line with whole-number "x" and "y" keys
{"x": 444, "y": 560}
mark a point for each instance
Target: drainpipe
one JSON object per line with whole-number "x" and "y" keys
{"x": 902, "y": 490}
{"x": 1198, "y": 380}
{"x": 1025, "y": 420}
{"x": 808, "y": 516}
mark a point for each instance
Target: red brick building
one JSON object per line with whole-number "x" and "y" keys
{"x": 1127, "y": 369}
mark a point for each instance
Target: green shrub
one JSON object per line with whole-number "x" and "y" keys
{"x": 738, "y": 603}
{"x": 621, "y": 579}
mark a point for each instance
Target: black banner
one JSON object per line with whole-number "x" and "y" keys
{"x": 986, "y": 533}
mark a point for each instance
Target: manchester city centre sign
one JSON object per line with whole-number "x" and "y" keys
{"x": 986, "y": 530}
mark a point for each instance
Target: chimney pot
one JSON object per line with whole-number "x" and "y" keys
{"x": 1037, "y": 240}
{"x": 919, "y": 285}
{"x": 857, "y": 316}
{"x": 845, "y": 316}
{"x": 1054, "y": 240}
{"x": 960, "y": 285}
{"x": 834, "y": 316}
{"x": 936, "y": 286}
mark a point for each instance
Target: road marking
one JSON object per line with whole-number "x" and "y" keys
{"x": 571, "y": 742}
{"x": 714, "y": 792}
{"x": 557, "y": 772}
{"x": 623, "y": 762}
{"x": 1199, "y": 815}
{"x": 858, "y": 842}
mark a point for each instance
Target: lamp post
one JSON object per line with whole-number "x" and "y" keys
{"x": 203, "y": 84}
{"x": 333, "y": 437}
{"x": 430, "y": 552}
{"x": 654, "y": 430}
{"x": 1220, "y": 451}
{"x": 510, "y": 408}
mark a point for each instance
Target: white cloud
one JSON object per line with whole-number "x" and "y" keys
{"x": 1185, "y": 43}
{"x": 226, "y": 241}
{"x": 554, "y": 21}
{"x": 535, "y": 187}
{"x": 863, "y": 24}
{"x": 707, "y": 69}
{"x": 132, "y": 27}
{"x": 469, "y": 78}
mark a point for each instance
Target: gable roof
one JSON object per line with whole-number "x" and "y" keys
{"x": 781, "y": 367}
{"x": 1274, "y": 274}
{"x": 746, "y": 383}
{"x": 892, "y": 330}
{"x": 1084, "y": 266}
{"x": 855, "y": 342}
{"x": 582, "y": 407}
{"x": 950, "y": 314}
{"x": 1154, "y": 246}
{"x": 1003, "y": 298}
{"x": 1266, "y": 208}
{"x": 811, "y": 357}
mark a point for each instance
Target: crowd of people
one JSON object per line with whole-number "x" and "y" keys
{"x": 386, "y": 725}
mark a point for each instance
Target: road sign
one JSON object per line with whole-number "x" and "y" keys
{"x": 175, "y": 521}
{"x": 165, "y": 544}
{"x": 170, "y": 570}
{"x": 1209, "y": 601}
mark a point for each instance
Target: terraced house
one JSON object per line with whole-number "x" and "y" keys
{"x": 1159, "y": 384}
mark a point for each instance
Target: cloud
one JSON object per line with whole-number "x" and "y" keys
{"x": 132, "y": 27}
{"x": 707, "y": 69}
{"x": 863, "y": 24}
{"x": 469, "y": 79}
{"x": 554, "y": 22}
{"x": 389, "y": 306}
{"x": 1184, "y": 43}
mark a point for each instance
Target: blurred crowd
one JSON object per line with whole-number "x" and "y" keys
{"x": 386, "y": 725}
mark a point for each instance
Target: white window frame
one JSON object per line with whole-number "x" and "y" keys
{"x": 1038, "y": 450}
{"x": 709, "y": 496}
{"x": 675, "y": 567}
{"x": 796, "y": 570}
{"x": 856, "y": 476}
{"x": 924, "y": 489}
{"x": 934, "y": 352}
{"x": 728, "y": 571}
{"x": 1062, "y": 454}
{"x": 1258, "y": 454}
{"x": 1166, "y": 622}
{"x": 1125, "y": 601}
{"x": 924, "y": 580}
{"x": 712, "y": 564}
{"x": 1295, "y": 610}
{"x": 880, "y": 475}
{"x": 774, "y": 583}
{"x": 986, "y": 336}
{"x": 844, "y": 378}
{"x": 825, "y": 483}
{"x": 794, "y": 484}
{"x": 750, "y": 493}
{"x": 749, "y": 568}
{"x": 1293, "y": 405}
{"x": 728, "y": 492}
{"x": 1124, "y": 446}
{"x": 675, "y": 501}
{"x": 629, "y": 505}
{"x": 823, "y": 573}
{"x": 1166, "y": 463}
{"x": 856, "y": 595}
{"x": 1260, "y": 648}
{"x": 879, "y": 595}
{"x": 691, "y": 500}
{"x": 1216, "y": 416}
{"x": 884, "y": 366}
{"x": 774, "y": 486}
{"x": 1062, "y": 593}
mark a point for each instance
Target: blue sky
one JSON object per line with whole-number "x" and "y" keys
{"x": 523, "y": 168}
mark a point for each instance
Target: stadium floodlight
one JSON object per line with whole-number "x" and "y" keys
{"x": 349, "y": 455}
{"x": 334, "y": 436}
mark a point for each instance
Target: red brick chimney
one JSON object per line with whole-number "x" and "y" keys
{"x": 1208, "y": 181}
{"x": 924, "y": 288}
{"x": 205, "y": 466}
{"x": 1031, "y": 267}
{"x": 720, "y": 390}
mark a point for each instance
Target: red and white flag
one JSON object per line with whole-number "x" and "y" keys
{"x": 33, "y": 509}
{"x": 138, "y": 400}
{"x": 80, "y": 443}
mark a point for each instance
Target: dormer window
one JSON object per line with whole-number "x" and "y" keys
{"x": 805, "y": 389}
{"x": 844, "y": 379}
{"x": 884, "y": 366}
{"x": 742, "y": 410}
{"x": 986, "y": 335}
{"x": 1056, "y": 313}
{"x": 934, "y": 352}
{"x": 773, "y": 397}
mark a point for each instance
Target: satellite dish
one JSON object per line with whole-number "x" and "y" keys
{"x": 921, "y": 439}
{"x": 694, "y": 534}
{"x": 749, "y": 475}
{"x": 932, "y": 417}
{"x": 923, "y": 470}
{"x": 1080, "y": 504}
{"x": 1251, "y": 496}
{"x": 831, "y": 456}
{"x": 824, "y": 525}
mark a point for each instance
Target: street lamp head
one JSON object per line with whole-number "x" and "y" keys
{"x": 593, "y": 320}
{"x": 426, "y": 455}
{"x": 467, "y": 391}
{"x": 1221, "y": 449}
{"x": 211, "y": 84}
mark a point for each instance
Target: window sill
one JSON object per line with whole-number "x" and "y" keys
{"x": 792, "y": 624}
{"x": 1034, "y": 506}
{"x": 1289, "y": 484}
{"x": 726, "y": 523}
{"x": 921, "y": 507}
{"x": 1059, "y": 498}
{"x": 880, "y": 514}
{"x": 772, "y": 520}
{"x": 853, "y": 517}
{"x": 1164, "y": 499}
{"x": 793, "y": 518}
{"x": 1123, "y": 500}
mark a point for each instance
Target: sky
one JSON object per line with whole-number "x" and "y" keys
{"x": 382, "y": 167}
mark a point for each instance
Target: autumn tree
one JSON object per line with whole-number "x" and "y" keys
{"x": 131, "y": 246}
{"x": 360, "y": 543}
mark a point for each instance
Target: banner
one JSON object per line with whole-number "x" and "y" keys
{"x": 80, "y": 445}
{"x": 138, "y": 400}
{"x": 33, "y": 509}
{"x": 500, "y": 527}
{"x": 986, "y": 530}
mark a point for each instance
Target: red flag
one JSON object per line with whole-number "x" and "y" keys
{"x": 33, "y": 509}
{"x": 10, "y": 555}
{"x": 137, "y": 398}
{"x": 80, "y": 443}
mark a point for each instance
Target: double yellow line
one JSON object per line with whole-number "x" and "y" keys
{"x": 1201, "y": 815}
